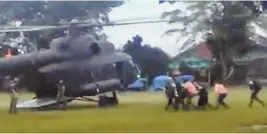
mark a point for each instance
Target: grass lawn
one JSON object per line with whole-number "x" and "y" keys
{"x": 138, "y": 112}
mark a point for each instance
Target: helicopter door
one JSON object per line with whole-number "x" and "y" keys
{"x": 127, "y": 71}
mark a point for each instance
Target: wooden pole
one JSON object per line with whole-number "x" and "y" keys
{"x": 209, "y": 77}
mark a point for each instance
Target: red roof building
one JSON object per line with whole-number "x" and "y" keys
{"x": 201, "y": 51}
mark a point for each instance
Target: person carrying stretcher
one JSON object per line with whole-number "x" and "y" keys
{"x": 221, "y": 92}
{"x": 182, "y": 95}
{"x": 203, "y": 96}
{"x": 171, "y": 94}
{"x": 191, "y": 92}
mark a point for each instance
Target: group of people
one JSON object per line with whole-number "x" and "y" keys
{"x": 180, "y": 94}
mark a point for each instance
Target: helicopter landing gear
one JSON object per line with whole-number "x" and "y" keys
{"x": 105, "y": 101}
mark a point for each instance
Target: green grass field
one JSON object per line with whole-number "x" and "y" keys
{"x": 137, "y": 112}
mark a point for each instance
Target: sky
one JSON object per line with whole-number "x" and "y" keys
{"x": 151, "y": 33}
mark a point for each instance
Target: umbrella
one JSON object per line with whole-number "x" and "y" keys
{"x": 162, "y": 78}
{"x": 184, "y": 77}
{"x": 160, "y": 82}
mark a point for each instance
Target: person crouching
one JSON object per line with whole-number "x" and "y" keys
{"x": 221, "y": 92}
{"x": 191, "y": 92}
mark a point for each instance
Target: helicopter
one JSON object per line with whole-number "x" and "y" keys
{"x": 71, "y": 62}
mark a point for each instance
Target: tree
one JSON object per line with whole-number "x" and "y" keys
{"x": 152, "y": 61}
{"x": 53, "y": 13}
{"x": 227, "y": 23}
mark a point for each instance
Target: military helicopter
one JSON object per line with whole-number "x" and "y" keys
{"x": 69, "y": 64}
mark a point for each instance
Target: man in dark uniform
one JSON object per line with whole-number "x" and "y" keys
{"x": 203, "y": 101}
{"x": 182, "y": 94}
{"x": 14, "y": 99}
{"x": 255, "y": 88}
{"x": 171, "y": 94}
{"x": 61, "y": 94}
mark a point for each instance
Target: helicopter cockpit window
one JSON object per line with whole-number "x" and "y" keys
{"x": 137, "y": 69}
{"x": 131, "y": 63}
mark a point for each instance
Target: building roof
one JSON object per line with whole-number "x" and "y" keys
{"x": 198, "y": 56}
{"x": 201, "y": 51}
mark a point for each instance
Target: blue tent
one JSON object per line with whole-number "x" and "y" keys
{"x": 159, "y": 83}
{"x": 138, "y": 84}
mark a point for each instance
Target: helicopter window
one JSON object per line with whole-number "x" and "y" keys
{"x": 95, "y": 48}
{"x": 63, "y": 46}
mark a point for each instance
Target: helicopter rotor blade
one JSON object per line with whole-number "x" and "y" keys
{"x": 39, "y": 28}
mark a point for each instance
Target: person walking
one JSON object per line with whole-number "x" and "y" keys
{"x": 255, "y": 87}
{"x": 221, "y": 92}
{"x": 191, "y": 92}
{"x": 203, "y": 100}
{"x": 171, "y": 94}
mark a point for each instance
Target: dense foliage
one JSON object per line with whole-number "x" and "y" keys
{"x": 151, "y": 60}
{"x": 54, "y": 13}
{"x": 51, "y": 12}
{"x": 226, "y": 25}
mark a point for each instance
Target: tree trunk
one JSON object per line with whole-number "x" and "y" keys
{"x": 209, "y": 77}
{"x": 223, "y": 67}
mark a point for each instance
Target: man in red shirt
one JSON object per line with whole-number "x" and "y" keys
{"x": 191, "y": 92}
{"x": 221, "y": 91}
